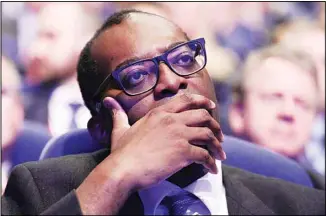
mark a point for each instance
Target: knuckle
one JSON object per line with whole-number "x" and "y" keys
{"x": 156, "y": 115}
{"x": 167, "y": 120}
{"x": 204, "y": 114}
{"x": 180, "y": 144}
{"x": 209, "y": 134}
{"x": 187, "y": 98}
{"x": 206, "y": 157}
{"x": 181, "y": 147}
{"x": 176, "y": 131}
{"x": 153, "y": 113}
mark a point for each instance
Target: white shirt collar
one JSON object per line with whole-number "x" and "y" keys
{"x": 209, "y": 189}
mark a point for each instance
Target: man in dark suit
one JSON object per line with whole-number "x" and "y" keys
{"x": 152, "y": 99}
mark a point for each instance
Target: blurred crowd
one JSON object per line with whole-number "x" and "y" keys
{"x": 267, "y": 60}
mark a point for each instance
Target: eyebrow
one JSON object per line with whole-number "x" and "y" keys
{"x": 136, "y": 58}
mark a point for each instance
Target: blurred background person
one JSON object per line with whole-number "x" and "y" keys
{"x": 275, "y": 101}
{"x": 50, "y": 64}
{"x": 21, "y": 141}
{"x": 307, "y": 36}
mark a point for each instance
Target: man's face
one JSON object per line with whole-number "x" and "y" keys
{"x": 146, "y": 36}
{"x": 53, "y": 53}
{"x": 280, "y": 105}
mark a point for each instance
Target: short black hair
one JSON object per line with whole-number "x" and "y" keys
{"x": 88, "y": 73}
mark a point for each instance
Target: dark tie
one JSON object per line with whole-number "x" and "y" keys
{"x": 182, "y": 203}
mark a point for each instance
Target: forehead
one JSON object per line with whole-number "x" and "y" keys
{"x": 139, "y": 35}
{"x": 60, "y": 17}
{"x": 313, "y": 43}
{"x": 276, "y": 73}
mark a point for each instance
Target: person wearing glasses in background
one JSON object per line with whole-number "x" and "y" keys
{"x": 153, "y": 102}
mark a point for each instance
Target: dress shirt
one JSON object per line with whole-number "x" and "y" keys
{"x": 209, "y": 189}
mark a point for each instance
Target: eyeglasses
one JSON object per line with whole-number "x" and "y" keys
{"x": 142, "y": 76}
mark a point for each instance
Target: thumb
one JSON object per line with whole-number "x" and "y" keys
{"x": 119, "y": 117}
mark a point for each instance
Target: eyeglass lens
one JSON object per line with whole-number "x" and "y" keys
{"x": 183, "y": 60}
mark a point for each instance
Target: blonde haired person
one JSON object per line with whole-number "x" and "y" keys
{"x": 275, "y": 101}
{"x": 309, "y": 36}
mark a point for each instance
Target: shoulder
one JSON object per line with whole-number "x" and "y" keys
{"x": 276, "y": 193}
{"x": 34, "y": 186}
{"x": 76, "y": 162}
{"x": 55, "y": 171}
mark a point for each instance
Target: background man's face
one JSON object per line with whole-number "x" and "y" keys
{"x": 280, "y": 105}
{"x": 146, "y": 37}
{"x": 53, "y": 53}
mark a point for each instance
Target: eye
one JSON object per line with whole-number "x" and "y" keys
{"x": 135, "y": 77}
{"x": 304, "y": 104}
{"x": 184, "y": 59}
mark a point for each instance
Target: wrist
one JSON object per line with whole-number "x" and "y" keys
{"x": 105, "y": 190}
{"x": 120, "y": 174}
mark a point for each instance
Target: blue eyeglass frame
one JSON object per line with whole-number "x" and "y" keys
{"x": 157, "y": 60}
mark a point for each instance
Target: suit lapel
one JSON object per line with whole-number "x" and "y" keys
{"x": 240, "y": 200}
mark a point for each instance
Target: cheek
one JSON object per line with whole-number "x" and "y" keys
{"x": 61, "y": 54}
{"x": 10, "y": 114}
{"x": 202, "y": 85}
{"x": 136, "y": 107}
{"x": 140, "y": 109}
{"x": 305, "y": 121}
{"x": 8, "y": 109}
{"x": 257, "y": 115}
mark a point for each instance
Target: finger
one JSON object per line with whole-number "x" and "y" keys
{"x": 203, "y": 136}
{"x": 187, "y": 101}
{"x": 202, "y": 156}
{"x": 119, "y": 117}
{"x": 201, "y": 118}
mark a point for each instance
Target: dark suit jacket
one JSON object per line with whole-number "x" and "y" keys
{"x": 47, "y": 187}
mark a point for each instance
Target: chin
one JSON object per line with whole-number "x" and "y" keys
{"x": 292, "y": 153}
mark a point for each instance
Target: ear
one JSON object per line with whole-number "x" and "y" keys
{"x": 236, "y": 118}
{"x": 100, "y": 128}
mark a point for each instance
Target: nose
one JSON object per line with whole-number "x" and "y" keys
{"x": 287, "y": 113}
{"x": 169, "y": 83}
{"x": 36, "y": 50}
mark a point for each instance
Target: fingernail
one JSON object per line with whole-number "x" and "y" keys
{"x": 212, "y": 105}
{"x": 214, "y": 171}
{"x": 108, "y": 106}
{"x": 222, "y": 155}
